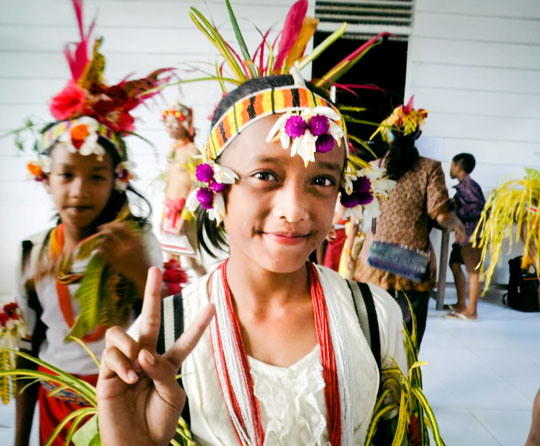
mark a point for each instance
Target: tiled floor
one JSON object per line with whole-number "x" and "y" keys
{"x": 481, "y": 378}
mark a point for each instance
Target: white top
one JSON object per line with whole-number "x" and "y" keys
{"x": 69, "y": 356}
{"x": 291, "y": 399}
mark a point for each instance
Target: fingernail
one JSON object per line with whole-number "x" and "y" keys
{"x": 148, "y": 357}
{"x": 132, "y": 376}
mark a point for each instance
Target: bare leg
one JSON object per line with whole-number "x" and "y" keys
{"x": 534, "y": 434}
{"x": 459, "y": 280}
{"x": 474, "y": 293}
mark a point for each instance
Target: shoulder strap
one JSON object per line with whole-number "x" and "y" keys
{"x": 367, "y": 316}
{"x": 172, "y": 322}
{"x": 171, "y": 328}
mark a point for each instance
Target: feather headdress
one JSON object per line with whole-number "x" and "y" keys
{"x": 88, "y": 109}
{"x": 310, "y": 122}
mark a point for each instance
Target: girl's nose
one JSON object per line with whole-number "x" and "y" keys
{"x": 291, "y": 203}
{"x": 78, "y": 188}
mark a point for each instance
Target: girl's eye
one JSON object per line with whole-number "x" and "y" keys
{"x": 265, "y": 176}
{"x": 98, "y": 178}
{"x": 66, "y": 175}
{"x": 324, "y": 181}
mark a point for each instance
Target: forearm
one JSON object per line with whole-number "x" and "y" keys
{"x": 25, "y": 405}
{"x": 448, "y": 220}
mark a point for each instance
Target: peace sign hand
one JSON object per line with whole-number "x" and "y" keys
{"x": 139, "y": 399}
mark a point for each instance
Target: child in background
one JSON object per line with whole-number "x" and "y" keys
{"x": 178, "y": 228}
{"x": 470, "y": 202}
{"x": 89, "y": 271}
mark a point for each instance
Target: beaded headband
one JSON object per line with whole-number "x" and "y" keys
{"x": 258, "y": 105}
{"x": 76, "y": 132}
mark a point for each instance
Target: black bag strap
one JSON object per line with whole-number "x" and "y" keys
{"x": 367, "y": 316}
{"x": 171, "y": 328}
{"x": 172, "y": 322}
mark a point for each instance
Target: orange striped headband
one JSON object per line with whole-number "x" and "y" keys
{"x": 258, "y": 105}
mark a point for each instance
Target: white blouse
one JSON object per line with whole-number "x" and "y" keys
{"x": 291, "y": 401}
{"x": 69, "y": 356}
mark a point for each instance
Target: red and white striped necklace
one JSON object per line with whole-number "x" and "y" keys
{"x": 232, "y": 367}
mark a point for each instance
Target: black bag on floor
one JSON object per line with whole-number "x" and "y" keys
{"x": 523, "y": 286}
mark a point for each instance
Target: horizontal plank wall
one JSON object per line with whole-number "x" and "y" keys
{"x": 475, "y": 65}
{"x": 139, "y": 36}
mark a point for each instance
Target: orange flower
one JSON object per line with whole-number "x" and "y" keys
{"x": 78, "y": 135}
{"x": 35, "y": 169}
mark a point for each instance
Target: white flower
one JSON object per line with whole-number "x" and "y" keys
{"x": 87, "y": 127}
{"x": 305, "y": 145}
{"x": 124, "y": 173}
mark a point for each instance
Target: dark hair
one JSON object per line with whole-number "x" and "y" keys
{"x": 402, "y": 155}
{"x": 118, "y": 199}
{"x": 466, "y": 161}
{"x": 207, "y": 228}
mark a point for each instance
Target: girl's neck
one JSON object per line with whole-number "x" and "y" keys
{"x": 72, "y": 236}
{"x": 254, "y": 287}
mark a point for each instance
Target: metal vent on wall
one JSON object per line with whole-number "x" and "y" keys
{"x": 366, "y": 18}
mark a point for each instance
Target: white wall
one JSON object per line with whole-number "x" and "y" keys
{"x": 475, "y": 65}
{"x": 139, "y": 36}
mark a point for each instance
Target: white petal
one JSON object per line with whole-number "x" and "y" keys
{"x": 90, "y": 122}
{"x": 285, "y": 139}
{"x": 280, "y": 123}
{"x": 297, "y": 142}
{"x": 191, "y": 201}
{"x": 336, "y": 131}
{"x": 372, "y": 209}
{"x": 219, "y": 208}
{"x": 91, "y": 146}
{"x": 307, "y": 148}
{"x": 325, "y": 111}
{"x": 224, "y": 174}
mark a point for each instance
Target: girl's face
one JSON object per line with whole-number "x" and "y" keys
{"x": 80, "y": 186}
{"x": 279, "y": 211}
{"x": 174, "y": 127}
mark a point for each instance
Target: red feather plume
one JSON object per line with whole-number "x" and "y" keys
{"x": 291, "y": 29}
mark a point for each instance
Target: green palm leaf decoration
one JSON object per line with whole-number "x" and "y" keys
{"x": 404, "y": 395}
{"x": 88, "y": 294}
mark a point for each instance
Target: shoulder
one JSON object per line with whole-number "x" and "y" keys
{"x": 33, "y": 244}
{"x": 388, "y": 311}
{"x": 429, "y": 164}
{"x": 387, "y": 308}
{"x": 38, "y": 238}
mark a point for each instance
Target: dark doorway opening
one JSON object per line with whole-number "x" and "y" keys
{"x": 383, "y": 66}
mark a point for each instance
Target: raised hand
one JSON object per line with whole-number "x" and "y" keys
{"x": 139, "y": 400}
{"x": 122, "y": 248}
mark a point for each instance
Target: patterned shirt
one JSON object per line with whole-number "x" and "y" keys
{"x": 470, "y": 202}
{"x": 419, "y": 196}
